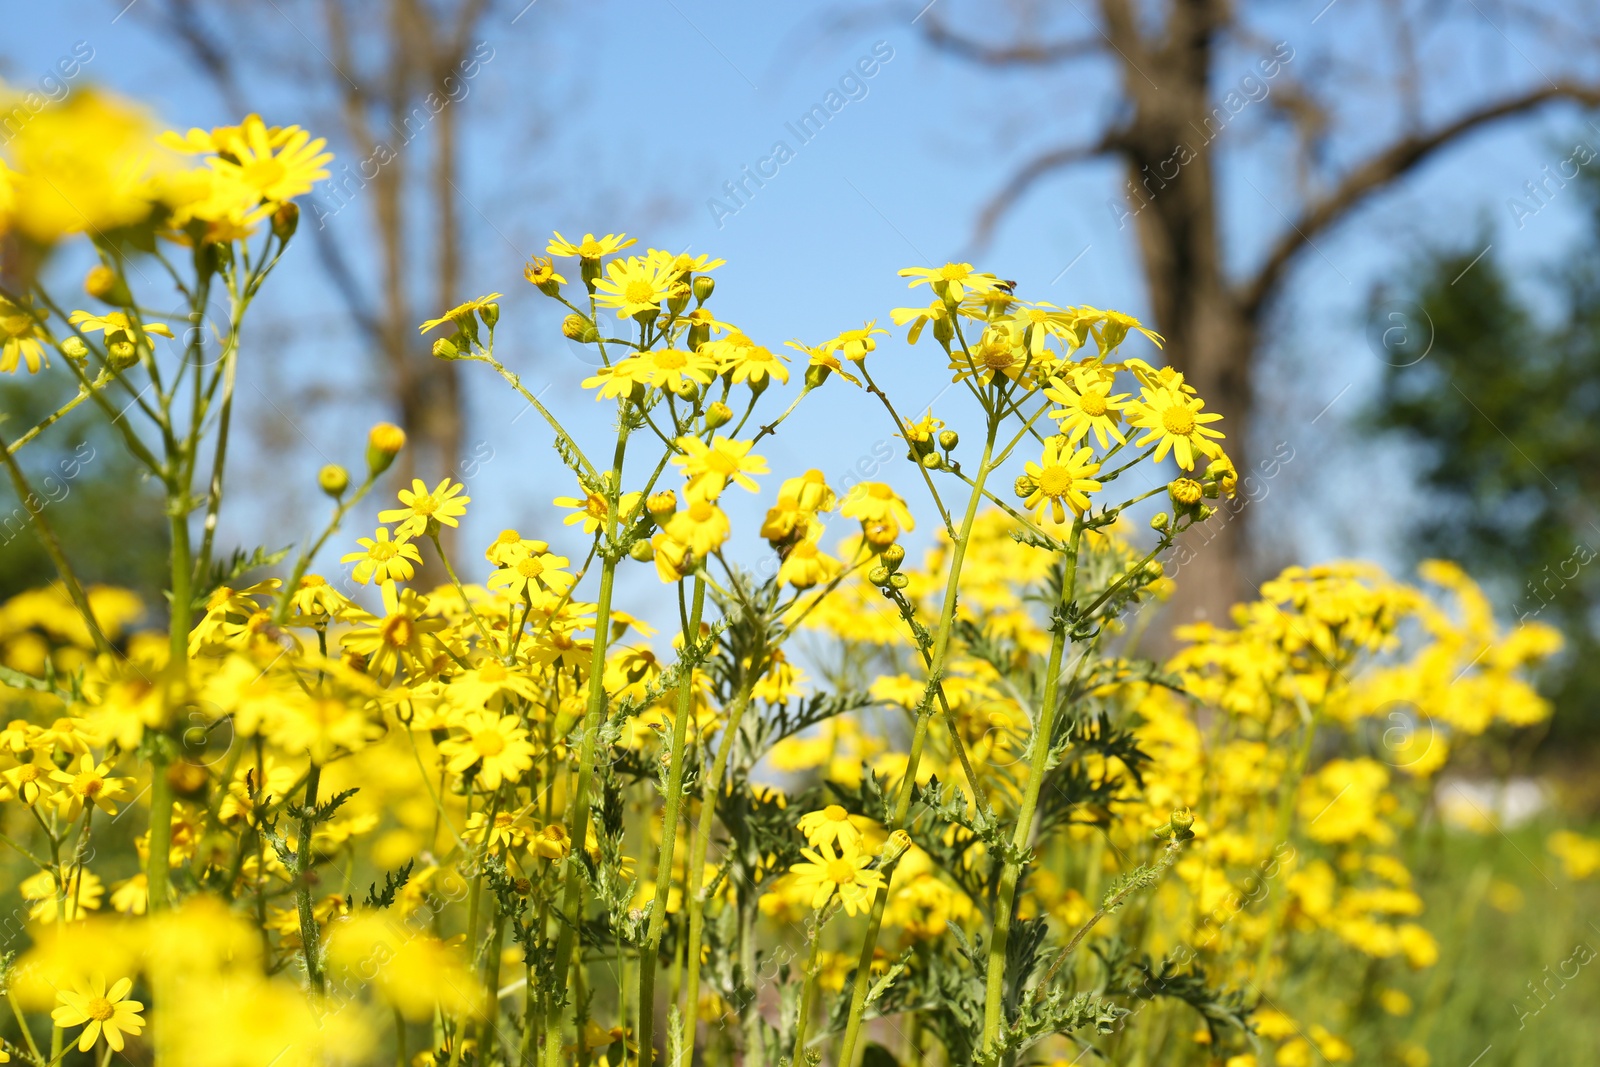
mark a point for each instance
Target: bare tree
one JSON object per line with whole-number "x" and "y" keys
{"x": 1348, "y": 100}
{"x": 396, "y": 73}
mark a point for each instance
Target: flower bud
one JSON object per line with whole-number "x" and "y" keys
{"x": 444, "y": 348}
{"x": 948, "y": 439}
{"x": 685, "y": 389}
{"x": 334, "y": 480}
{"x": 490, "y": 314}
{"x": 1182, "y": 819}
{"x": 642, "y": 552}
{"x": 704, "y": 285}
{"x": 677, "y": 298}
{"x": 1205, "y": 511}
{"x": 933, "y": 461}
{"x": 892, "y": 557}
{"x": 121, "y": 354}
{"x": 1024, "y": 486}
{"x": 1185, "y": 492}
{"x": 662, "y": 505}
{"x": 384, "y": 443}
{"x": 1160, "y": 520}
{"x": 578, "y": 328}
{"x": 74, "y": 348}
{"x": 879, "y": 576}
{"x": 286, "y": 220}
{"x": 102, "y": 283}
{"x": 893, "y": 848}
{"x": 898, "y": 581}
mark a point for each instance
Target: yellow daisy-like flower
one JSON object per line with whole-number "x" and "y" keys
{"x": 506, "y": 832}
{"x": 951, "y": 281}
{"x": 830, "y": 826}
{"x": 220, "y": 140}
{"x": 528, "y": 573}
{"x": 710, "y": 468}
{"x": 27, "y": 782}
{"x": 444, "y": 504}
{"x": 542, "y": 272}
{"x": 589, "y": 247}
{"x": 1111, "y": 327}
{"x": 498, "y": 743}
{"x": 632, "y": 286}
{"x": 382, "y": 559}
{"x": 1174, "y": 420}
{"x": 823, "y": 358}
{"x": 825, "y": 873}
{"x": 805, "y": 565}
{"x": 1062, "y": 475}
{"x": 21, "y": 340}
{"x": 277, "y": 167}
{"x": 998, "y": 353}
{"x": 99, "y": 1011}
{"x": 745, "y": 360}
{"x": 919, "y": 318}
{"x": 702, "y": 527}
{"x": 91, "y": 783}
{"x": 681, "y": 263}
{"x": 1087, "y": 404}
{"x": 115, "y": 325}
{"x": 592, "y": 509}
{"x": 874, "y": 502}
{"x": 672, "y": 368}
{"x": 855, "y": 345}
{"x": 461, "y": 316}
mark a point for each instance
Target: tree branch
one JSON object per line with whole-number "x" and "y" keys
{"x": 940, "y": 36}
{"x": 1025, "y": 178}
{"x": 1384, "y": 167}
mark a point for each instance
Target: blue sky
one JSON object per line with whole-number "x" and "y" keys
{"x": 632, "y": 116}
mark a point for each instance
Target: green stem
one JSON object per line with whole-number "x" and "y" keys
{"x": 572, "y": 881}
{"x": 941, "y": 649}
{"x": 1037, "y": 768}
{"x": 310, "y": 936}
{"x": 710, "y": 790}
{"x": 648, "y": 954}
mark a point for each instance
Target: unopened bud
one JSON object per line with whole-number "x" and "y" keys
{"x": 577, "y": 327}
{"x": 444, "y": 348}
{"x": 1160, "y": 520}
{"x": 490, "y": 314}
{"x": 642, "y": 551}
{"x": 898, "y": 581}
{"x": 933, "y": 461}
{"x": 384, "y": 443}
{"x": 334, "y": 480}
{"x": 892, "y": 557}
{"x": 662, "y": 505}
{"x": 685, "y": 389}
{"x": 286, "y": 220}
{"x": 1024, "y": 486}
{"x": 1182, "y": 819}
{"x": 74, "y": 348}
{"x": 678, "y": 298}
{"x": 879, "y": 576}
{"x": 704, "y": 285}
{"x": 102, "y": 283}
{"x": 894, "y": 848}
{"x": 948, "y": 439}
{"x": 121, "y": 354}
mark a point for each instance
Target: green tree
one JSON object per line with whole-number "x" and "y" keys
{"x": 1504, "y": 408}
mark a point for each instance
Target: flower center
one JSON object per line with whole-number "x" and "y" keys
{"x": 424, "y": 505}
{"x": 397, "y": 631}
{"x": 841, "y": 872}
{"x": 1092, "y": 405}
{"x": 700, "y": 511}
{"x": 835, "y": 813}
{"x": 88, "y": 784}
{"x": 1178, "y": 420}
{"x": 953, "y": 272}
{"x": 530, "y": 567}
{"x": 28, "y": 772}
{"x": 101, "y": 1009}
{"x": 489, "y": 743}
{"x": 492, "y": 672}
{"x": 263, "y": 173}
{"x": 1055, "y": 481}
{"x": 383, "y": 550}
{"x": 640, "y": 292}
{"x": 671, "y": 359}
{"x": 722, "y": 463}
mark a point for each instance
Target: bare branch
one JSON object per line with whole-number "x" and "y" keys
{"x": 1387, "y": 165}
{"x": 940, "y": 36}
{"x": 1024, "y": 179}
